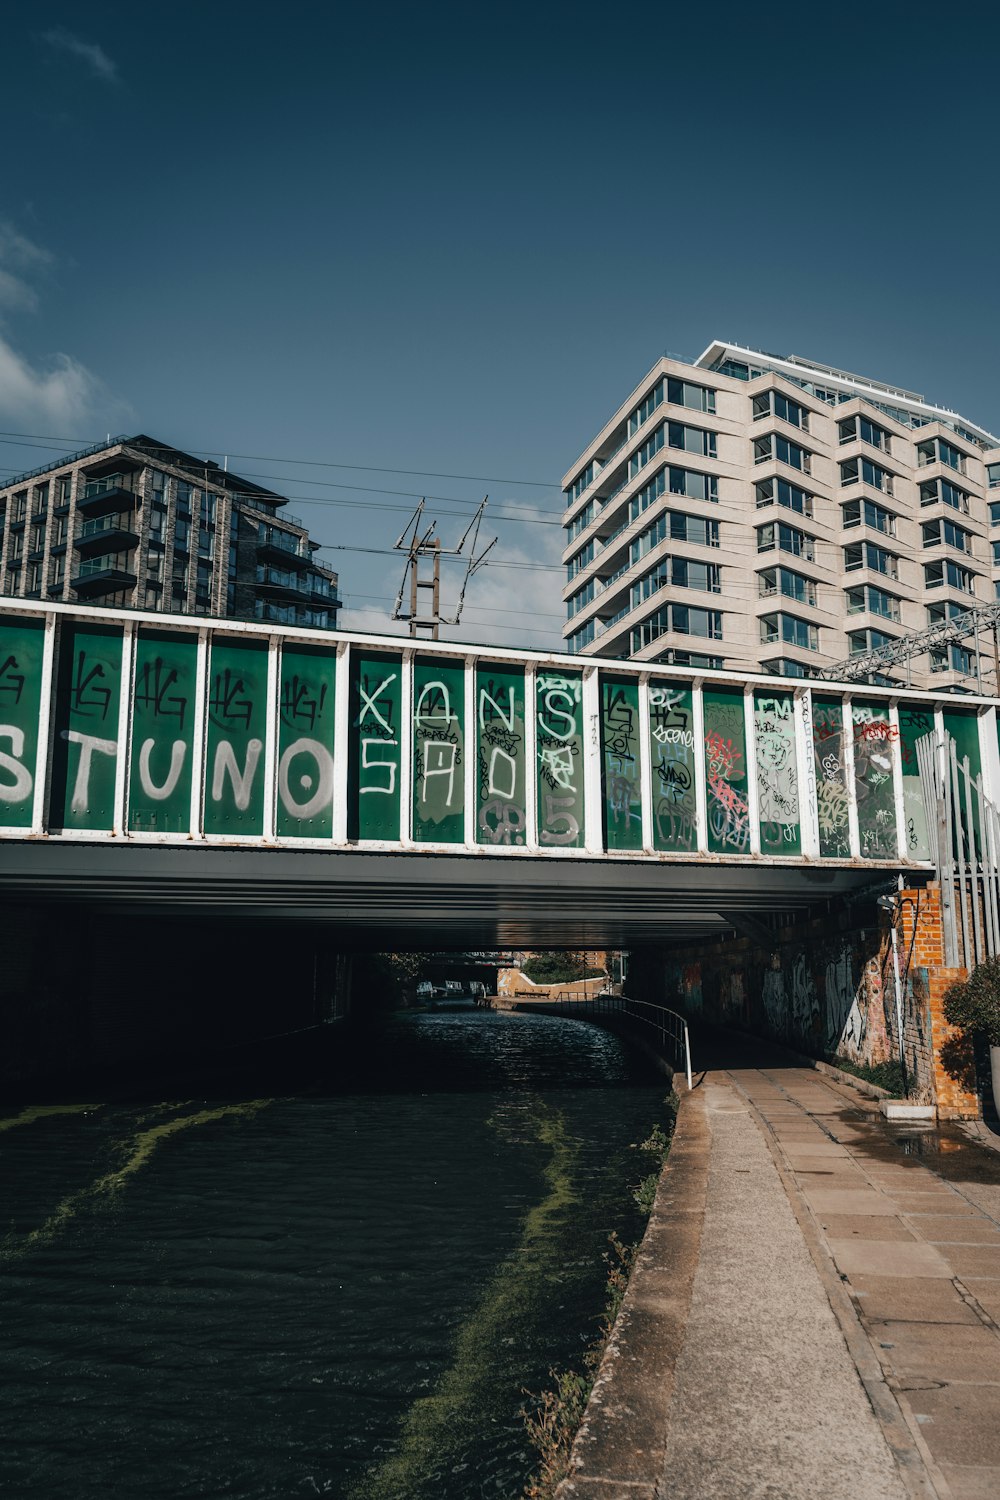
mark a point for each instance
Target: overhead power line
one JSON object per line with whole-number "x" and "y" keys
{"x": 30, "y": 439}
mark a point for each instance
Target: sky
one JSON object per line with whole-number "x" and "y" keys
{"x": 375, "y": 253}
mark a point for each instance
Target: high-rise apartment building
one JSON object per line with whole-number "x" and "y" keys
{"x": 751, "y": 511}
{"x": 137, "y": 523}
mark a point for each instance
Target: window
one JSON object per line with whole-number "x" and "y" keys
{"x": 853, "y": 469}
{"x": 60, "y": 530}
{"x": 778, "y": 447}
{"x": 783, "y": 666}
{"x": 862, "y": 641}
{"x": 784, "y": 581}
{"x": 640, "y": 458}
{"x": 583, "y": 596}
{"x": 788, "y": 411}
{"x": 582, "y": 559}
{"x": 582, "y": 637}
{"x": 206, "y": 543}
{"x": 952, "y": 658}
{"x": 686, "y": 573}
{"x": 785, "y": 538}
{"x": 683, "y": 393}
{"x": 691, "y": 439}
{"x": 694, "y": 485}
{"x": 934, "y": 490}
{"x": 646, "y": 408}
{"x": 37, "y": 537}
{"x": 580, "y": 522}
{"x": 58, "y": 570}
{"x": 993, "y": 475}
{"x": 680, "y": 528}
{"x": 877, "y": 601}
{"x": 788, "y": 495}
{"x": 867, "y": 513}
{"x": 867, "y": 555}
{"x": 791, "y": 629}
{"x": 944, "y": 610}
{"x": 680, "y": 618}
{"x": 995, "y": 512}
{"x": 184, "y": 494}
{"x": 936, "y": 450}
{"x": 40, "y": 500}
{"x": 19, "y": 506}
{"x": 16, "y": 550}
{"x": 996, "y": 554}
{"x": 154, "y": 566}
{"x": 64, "y": 488}
{"x": 934, "y": 532}
{"x": 33, "y": 581}
{"x": 182, "y": 535}
{"x": 578, "y": 486}
{"x": 938, "y": 573}
{"x": 869, "y": 432}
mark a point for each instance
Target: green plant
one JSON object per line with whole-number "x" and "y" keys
{"x": 973, "y": 1005}
{"x": 885, "y": 1075}
{"x": 558, "y": 968}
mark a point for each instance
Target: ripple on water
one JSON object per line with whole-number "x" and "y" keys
{"x": 343, "y": 1292}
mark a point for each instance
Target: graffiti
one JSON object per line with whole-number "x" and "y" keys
{"x": 773, "y": 997}
{"x": 501, "y": 818}
{"x": 723, "y": 760}
{"x": 438, "y": 755}
{"x": 620, "y": 750}
{"x": 11, "y": 680}
{"x": 777, "y": 776}
{"x": 152, "y": 691}
{"x": 873, "y": 786}
{"x": 672, "y": 747}
{"x": 830, "y": 773}
{"x": 728, "y": 815}
{"x": 228, "y": 703}
{"x": 675, "y": 829}
{"x": 301, "y": 703}
{"x": 85, "y": 697}
{"x": 560, "y": 751}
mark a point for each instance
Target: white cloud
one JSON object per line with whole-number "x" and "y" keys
{"x": 19, "y": 258}
{"x": 94, "y": 56}
{"x": 65, "y": 397}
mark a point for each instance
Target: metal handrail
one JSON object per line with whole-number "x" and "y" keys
{"x": 669, "y": 1025}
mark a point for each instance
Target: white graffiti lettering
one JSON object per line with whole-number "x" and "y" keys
{"x": 18, "y": 790}
{"x": 369, "y": 702}
{"x": 160, "y": 793}
{"x": 367, "y": 764}
{"x": 226, "y": 764}
{"x": 89, "y": 743}
{"x": 322, "y": 797}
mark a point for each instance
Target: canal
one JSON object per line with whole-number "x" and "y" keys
{"x": 340, "y": 1280}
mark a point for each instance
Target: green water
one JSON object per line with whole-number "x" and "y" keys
{"x": 344, "y": 1288}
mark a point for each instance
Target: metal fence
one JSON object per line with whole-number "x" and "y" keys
{"x": 963, "y": 829}
{"x": 670, "y": 1036}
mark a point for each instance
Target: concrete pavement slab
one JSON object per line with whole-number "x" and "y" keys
{"x": 953, "y": 1352}
{"x": 967, "y": 1482}
{"x": 986, "y": 1293}
{"x": 960, "y": 1423}
{"x": 865, "y": 1227}
{"x": 888, "y": 1258}
{"x": 966, "y": 1229}
{"x": 917, "y": 1299}
{"x": 932, "y": 1202}
{"x": 847, "y": 1201}
{"x": 973, "y": 1260}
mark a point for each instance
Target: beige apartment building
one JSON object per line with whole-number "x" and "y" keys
{"x": 751, "y": 511}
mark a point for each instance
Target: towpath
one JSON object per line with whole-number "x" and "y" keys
{"x": 815, "y": 1313}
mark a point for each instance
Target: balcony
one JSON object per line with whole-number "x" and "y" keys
{"x": 102, "y": 575}
{"x": 100, "y": 496}
{"x": 110, "y": 533}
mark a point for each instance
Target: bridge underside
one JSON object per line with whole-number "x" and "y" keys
{"x": 413, "y": 901}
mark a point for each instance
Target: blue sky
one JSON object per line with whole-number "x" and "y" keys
{"x": 451, "y": 239}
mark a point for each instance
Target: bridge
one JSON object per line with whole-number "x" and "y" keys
{"x": 422, "y": 794}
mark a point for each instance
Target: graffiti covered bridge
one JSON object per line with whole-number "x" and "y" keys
{"x": 425, "y": 792}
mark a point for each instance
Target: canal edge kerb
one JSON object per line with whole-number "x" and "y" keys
{"x": 620, "y": 1447}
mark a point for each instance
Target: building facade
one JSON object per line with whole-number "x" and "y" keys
{"x": 752, "y": 511}
{"x": 139, "y": 524}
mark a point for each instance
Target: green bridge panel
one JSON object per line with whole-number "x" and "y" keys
{"x": 162, "y": 740}
{"x": 914, "y": 723}
{"x": 672, "y": 762}
{"x": 621, "y": 766}
{"x": 237, "y": 732}
{"x": 21, "y": 652}
{"x": 376, "y": 755}
{"x": 777, "y": 773}
{"x": 726, "y": 772}
{"x": 501, "y": 799}
{"x": 873, "y": 785}
{"x": 438, "y": 752}
{"x": 306, "y": 720}
{"x": 85, "y": 745}
{"x": 560, "y": 783}
{"x": 832, "y": 790}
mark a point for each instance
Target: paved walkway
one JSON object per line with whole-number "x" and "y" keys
{"x": 821, "y": 1324}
